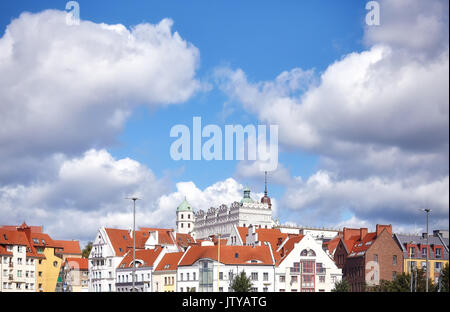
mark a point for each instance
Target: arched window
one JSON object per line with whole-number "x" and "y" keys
{"x": 311, "y": 253}
{"x": 304, "y": 253}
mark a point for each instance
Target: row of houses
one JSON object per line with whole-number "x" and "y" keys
{"x": 31, "y": 261}
{"x": 274, "y": 259}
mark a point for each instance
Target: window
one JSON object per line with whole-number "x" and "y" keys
{"x": 181, "y": 276}
{"x": 394, "y": 260}
{"x": 265, "y": 276}
{"x": 189, "y": 225}
{"x": 322, "y": 279}
{"x": 40, "y": 273}
{"x": 194, "y": 276}
{"x": 19, "y": 273}
{"x": 254, "y": 276}
{"x": 254, "y": 289}
{"x": 187, "y": 276}
{"x": 182, "y": 224}
{"x": 19, "y": 260}
{"x": 265, "y": 289}
{"x": 189, "y": 216}
{"x": 320, "y": 268}
{"x": 55, "y": 263}
{"x": 307, "y": 281}
{"x": 424, "y": 252}
{"x": 394, "y": 275}
{"x": 438, "y": 253}
{"x": 375, "y": 258}
{"x": 308, "y": 266}
{"x": 182, "y": 216}
{"x": 35, "y": 240}
{"x": 282, "y": 278}
{"x": 221, "y": 276}
{"x": 304, "y": 253}
{"x": 412, "y": 252}
{"x": 220, "y": 289}
{"x": 294, "y": 279}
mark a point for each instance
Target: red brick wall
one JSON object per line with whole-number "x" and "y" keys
{"x": 386, "y": 248}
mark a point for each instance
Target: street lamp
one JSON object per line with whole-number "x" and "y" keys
{"x": 426, "y": 287}
{"x": 133, "y": 272}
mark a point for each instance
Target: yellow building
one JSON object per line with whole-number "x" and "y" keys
{"x": 47, "y": 269}
{"x": 165, "y": 274}
{"x": 415, "y": 253}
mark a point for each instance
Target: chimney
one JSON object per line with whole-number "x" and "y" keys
{"x": 363, "y": 232}
{"x": 381, "y": 227}
{"x": 350, "y": 232}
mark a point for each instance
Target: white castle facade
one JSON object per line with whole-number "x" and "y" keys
{"x": 220, "y": 221}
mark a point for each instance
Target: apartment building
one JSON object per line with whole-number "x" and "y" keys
{"x": 165, "y": 273}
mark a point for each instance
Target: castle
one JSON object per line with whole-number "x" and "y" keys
{"x": 220, "y": 221}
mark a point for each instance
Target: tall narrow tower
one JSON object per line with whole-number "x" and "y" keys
{"x": 266, "y": 199}
{"x": 185, "y": 218}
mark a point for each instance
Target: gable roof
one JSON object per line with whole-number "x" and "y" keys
{"x": 169, "y": 262}
{"x": 68, "y": 247}
{"x": 243, "y": 231}
{"x": 242, "y": 255}
{"x": 331, "y": 244}
{"x": 78, "y": 263}
{"x": 147, "y": 256}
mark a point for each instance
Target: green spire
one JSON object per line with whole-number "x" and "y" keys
{"x": 246, "y": 198}
{"x": 184, "y": 206}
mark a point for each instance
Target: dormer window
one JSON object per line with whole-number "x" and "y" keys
{"x": 438, "y": 253}
{"x": 35, "y": 240}
{"x": 5, "y": 237}
{"x": 236, "y": 255}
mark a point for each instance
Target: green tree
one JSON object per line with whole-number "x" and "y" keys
{"x": 341, "y": 286}
{"x": 87, "y": 250}
{"x": 402, "y": 283}
{"x": 241, "y": 283}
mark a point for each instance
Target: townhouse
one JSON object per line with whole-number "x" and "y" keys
{"x": 209, "y": 267}
{"x": 17, "y": 262}
{"x": 111, "y": 245}
{"x": 145, "y": 262}
{"x": 165, "y": 273}
{"x": 75, "y": 278}
{"x": 366, "y": 258}
{"x": 415, "y": 249}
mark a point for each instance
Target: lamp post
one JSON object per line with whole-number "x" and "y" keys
{"x": 218, "y": 261}
{"x": 133, "y": 272}
{"x": 426, "y": 269}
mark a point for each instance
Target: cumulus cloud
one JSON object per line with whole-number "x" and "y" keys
{"x": 67, "y": 88}
{"x": 377, "y": 119}
{"x": 89, "y": 192}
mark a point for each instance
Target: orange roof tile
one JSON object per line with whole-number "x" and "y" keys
{"x": 148, "y": 256}
{"x": 184, "y": 240}
{"x": 78, "y": 263}
{"x": 332, "y": 244}
{"x": 243, "y": 231}
{"x": 68, "y": 247}
{"x": 241, "y": 255}
{"x": 169, "y": 262}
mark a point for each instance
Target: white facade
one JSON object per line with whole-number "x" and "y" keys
{"x": 207, "y": 275}
{"x": 18, "y": 273}
{"x": 143, "y": 275}
{"x": 319, "y": 234}
{"x": 221, "y": 220}
{"x": 306, "y": 268}
{"x": 103, "y": 262}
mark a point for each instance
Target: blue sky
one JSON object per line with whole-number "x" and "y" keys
{"x": 333, "y": 177}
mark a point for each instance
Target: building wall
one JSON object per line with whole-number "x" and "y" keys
{"x": 385, "y": 248}
{"x": 421, "y": 263}
{"x": 223, "y": 285}
{"x": 50, "y": 268}
{"x": 143, "y": 280}
{"x": 164, "y": 281}
{"x": 323, "y": 281}
{"x": 18, "y": 273}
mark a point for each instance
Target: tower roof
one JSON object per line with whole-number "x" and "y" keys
{"x": 246, "y": 198}
{"x": 184, "y": 206}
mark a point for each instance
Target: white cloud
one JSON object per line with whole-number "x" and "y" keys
{"x": 378, "y": 119}
{"x": 67, "y": 88}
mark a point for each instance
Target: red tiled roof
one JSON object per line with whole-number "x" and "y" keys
{"x": 332, "y": 244}
{"x": 229, "y": 254}
{"x": 12, "y": 237}
{"x": 119, "y": 239}
{"x": 361, "y": 245}
{"x": 68, "y": 247}
{"x": 78, "y": 263}
{"x": 4, "y": 251}
{"x": 169, "y": 262}
{"x": 148, "y": 256}
{"x": 184, "y": 240}
{"x": 165, "y": 236}
{"x": 243, "y": 231}
{"x": 33, "y": 228}
{"x": 43, "y": 240}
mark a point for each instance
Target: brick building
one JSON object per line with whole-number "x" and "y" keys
{"x": 366, "y": 258}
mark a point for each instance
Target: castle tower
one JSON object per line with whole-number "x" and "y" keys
{"x": 266, "y": 199}
{"x": 185, "y": 218}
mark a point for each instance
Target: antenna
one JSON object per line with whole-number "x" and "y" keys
{"x": 265, "y": 183}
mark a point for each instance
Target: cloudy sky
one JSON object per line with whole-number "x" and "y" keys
{"x": 86, "y": 110}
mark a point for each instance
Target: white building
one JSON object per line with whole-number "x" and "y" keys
{"x": 146, "y": 261}
{"x": 303, "y": 266}
{"x": 17, "y": 261}
{"x": 245, "y": 213}
{"x": 206, "y": 269}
